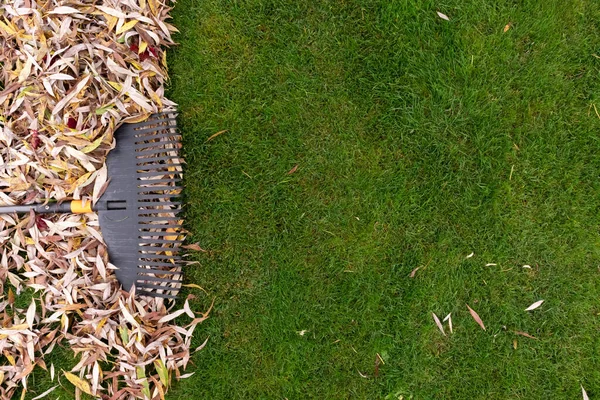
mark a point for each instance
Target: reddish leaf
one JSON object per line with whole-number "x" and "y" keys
{"x": 476, "y": 317}
{"x": 34, "y": 141}
{"x": 40, "y": 223}
{"x": 72, "y": 123}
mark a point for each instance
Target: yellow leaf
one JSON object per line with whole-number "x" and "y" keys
{"x": 79, "y": 182}
{"x": 163, "y": 373}
{"x": 92, "y": 146}
{"x": 127, "y": 26}
{"x": 7, "y": 28}
{"x": 78, "y": 382}
{"x": 111, "y": 21}
{"x": 115, "y": 85}
{"x": 10, "y": 359}
{"x": 153, "y": 6}
{"x": 143, "y": 47}
{"x": 29, "y": 240}
{"x": 506, "y": 27}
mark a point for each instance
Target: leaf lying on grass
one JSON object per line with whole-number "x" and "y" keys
{"x": 584, "y": 393}
{"x": 534, "y": 305}
{"x": 438, "y": 323}
{"x": 476, "y": 317}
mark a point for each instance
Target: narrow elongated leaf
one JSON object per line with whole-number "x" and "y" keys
{"x": 476, "y": 317}
{"x": 438, "y": 323}
{"x": 534, "y": 305}
{"x": 443, "y": 16}
{"x": 79, "y": 383}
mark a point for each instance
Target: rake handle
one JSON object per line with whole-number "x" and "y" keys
{"x": 74, "y": 206}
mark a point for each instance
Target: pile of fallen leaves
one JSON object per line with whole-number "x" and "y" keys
{"x": 71, "y": 73}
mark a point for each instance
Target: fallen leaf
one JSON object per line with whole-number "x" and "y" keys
{"x": 79, "y": 383}
{"x": 527, "y": 266}
{"x": 470, "y": 255}
{"x": 527, "y": 335}
{"x": 490, "y": 264}
{"x": 194, "y": 246}
{"x": 438, "y": 323}
{"x": 476, "y": 317}
{"x": 45, "y": 393}
{"x": 302, "y": 332}
{"x": 449, "y": 319}
{"x": 443, "y": 16}
{"x": 534, "y": 305}
{"x": 215, "y": 135}
{"x": 506, "y": 27}
{"x": 413, "y": 272}
{"x": 291, "y": 171}
{"x": 584, "y": 393}
{"x": 515, "y": 344}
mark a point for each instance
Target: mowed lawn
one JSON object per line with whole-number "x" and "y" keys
{"x": 365, "y": 139}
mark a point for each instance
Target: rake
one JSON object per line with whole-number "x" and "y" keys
{"x": 138, "y": 211}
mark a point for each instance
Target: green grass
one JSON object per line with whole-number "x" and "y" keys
{"x": 418, "y": 141}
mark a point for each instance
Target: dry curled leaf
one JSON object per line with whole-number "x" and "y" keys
{"x": 413, "y": 272}
{"x": 291, "y": 171}
{"x": 476, "y": 317}
{"x": 506, "y": 28}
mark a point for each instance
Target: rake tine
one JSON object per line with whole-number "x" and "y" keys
{"x": 145, "y": 139}
{"x": 161, "y": 272}
{"x": 159, "y": 257}
{"x": 162, "y": 144}
{"x": 143, "y": 125}
{"x": 157, "y": 218}
{"x": 148, "y": 278}
{"x": 156, "y": 294}
{"x": 139, "y": 154}
{"x": 158, "y": 196}
{"x": 157, "y": 159}
{"x": 157, "y": 166}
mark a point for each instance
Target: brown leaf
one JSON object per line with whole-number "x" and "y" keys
{"x": 476, "y": 317}
{"x": 413, "y": 272}
{"x": 506, "y": 28}
{"x": 215, "y": 135}
{"x": 291, "y": 171}
{"x": 525, "y": 334}
{"x": 194, "y": 246}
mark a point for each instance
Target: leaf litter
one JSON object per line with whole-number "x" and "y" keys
{"x": 71, "y": 72}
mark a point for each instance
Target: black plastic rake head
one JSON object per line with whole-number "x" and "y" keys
{"x": 138, "y": 213}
